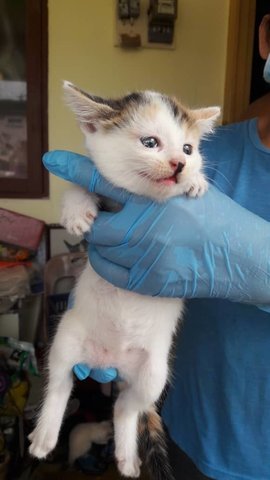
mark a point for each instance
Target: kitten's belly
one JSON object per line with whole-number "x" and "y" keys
{"x": 126, "y": 361}
{"x": 121, "y": 327}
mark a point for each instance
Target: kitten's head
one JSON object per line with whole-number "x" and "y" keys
{"x": 145, "y": 142}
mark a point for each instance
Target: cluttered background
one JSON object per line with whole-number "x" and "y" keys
{"x": 39, "y": 264}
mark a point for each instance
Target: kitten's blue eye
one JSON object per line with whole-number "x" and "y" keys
{"x": 149, "y": 142}
{"x": 187, "y": 148}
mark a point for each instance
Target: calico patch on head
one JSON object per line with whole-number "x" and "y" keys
{"x": 145, "y": 142}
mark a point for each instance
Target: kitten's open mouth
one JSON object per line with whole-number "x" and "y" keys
{"x": 172, "y": 180}
{"x": 168, "y": 180}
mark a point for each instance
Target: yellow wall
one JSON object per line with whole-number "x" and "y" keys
{"x": 81, "y": 34}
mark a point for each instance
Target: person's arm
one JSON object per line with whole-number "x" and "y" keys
{"x": 209, "y": 247}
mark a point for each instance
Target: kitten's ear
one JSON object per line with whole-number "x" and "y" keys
{"x": 205, "y": 118}
{"x": 89, "y": 110}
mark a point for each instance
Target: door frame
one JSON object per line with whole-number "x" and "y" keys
{"x": 239, "y": 59}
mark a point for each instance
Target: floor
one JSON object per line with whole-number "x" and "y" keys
{"x": 51, "y": 472}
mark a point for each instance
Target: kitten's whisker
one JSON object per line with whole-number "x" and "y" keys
{"x": 223, "y": 176}
{"x": 215, "y": 183}
{"x": 210, "y": 163}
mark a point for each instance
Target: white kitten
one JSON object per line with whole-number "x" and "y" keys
{"x": 146, "y": 143}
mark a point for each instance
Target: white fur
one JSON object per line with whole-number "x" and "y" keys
{"x": 122, "y": 158}
{"x": 108, "y": 326}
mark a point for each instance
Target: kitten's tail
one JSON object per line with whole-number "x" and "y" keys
{"x": 153, "y": 446}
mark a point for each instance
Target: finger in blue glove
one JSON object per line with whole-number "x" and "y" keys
{"x": 83, "y": 371}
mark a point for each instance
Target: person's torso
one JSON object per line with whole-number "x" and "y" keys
{"x": 218, "y": 409}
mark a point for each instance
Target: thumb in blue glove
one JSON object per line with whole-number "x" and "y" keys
{"x": 82, "y": 171}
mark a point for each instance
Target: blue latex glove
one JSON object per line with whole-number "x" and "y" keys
{"x": 82, "y": 371}
{"x": 207, "y": 247}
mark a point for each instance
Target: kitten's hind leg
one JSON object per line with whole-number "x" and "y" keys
{"x": 125, "y": 431}
{"x": 44, "y": 437}
{"x": 138, "y": 397}
{"x": 64, "y": 353}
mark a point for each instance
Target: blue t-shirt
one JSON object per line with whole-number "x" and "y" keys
{"x": 218, "y": 409}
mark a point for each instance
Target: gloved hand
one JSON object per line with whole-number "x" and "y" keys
{"x": 106, "y": 375}
{"x": 206, "y": 247}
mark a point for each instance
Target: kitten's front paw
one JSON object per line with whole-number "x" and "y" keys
{"x": 197, "y": 186}
{"x": 79, "y": 223}
{"x": 78, "y": 218}
{"x": 43, "y": 441}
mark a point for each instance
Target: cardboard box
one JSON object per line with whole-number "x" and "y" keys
{"x": 20, "y": 235}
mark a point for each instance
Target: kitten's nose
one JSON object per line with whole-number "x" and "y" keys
{"x": 177, "y": 166}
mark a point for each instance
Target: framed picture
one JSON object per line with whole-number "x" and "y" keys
{"x": 13, "y": 145}
{"x": 23, "y": 98}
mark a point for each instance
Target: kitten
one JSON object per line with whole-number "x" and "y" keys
{"x": 83, "y": 435}
{"x": 148, "y": 144}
